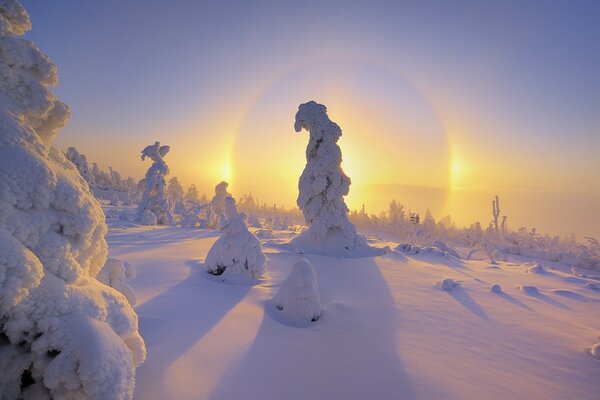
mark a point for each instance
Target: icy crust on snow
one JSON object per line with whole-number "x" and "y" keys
{"x": 154, "y": 199}
{"x": 322, "y": 187}
{"x": 63, "y": 334}
{"x": 237, "y": 253}
{"x": 298, "y": 301}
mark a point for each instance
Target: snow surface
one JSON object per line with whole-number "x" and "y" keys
{"x": 386, "y": 331}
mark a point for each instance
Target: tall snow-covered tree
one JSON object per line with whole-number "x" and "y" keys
{"x": 175, "y": 191}
{"x": 217, "y": 204}
{"x": 322, "y": 187}
{"x": 154, "y": 201}
{"x": 63, "y": 334}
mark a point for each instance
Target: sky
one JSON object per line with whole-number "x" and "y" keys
{"x": 443, "y": 104}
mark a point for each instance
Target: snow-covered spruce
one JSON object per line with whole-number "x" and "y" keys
{"x": 154, "y": 199}
{"x": 237, "y": 252}
{"x": 63, "y": 334}
{"x": 322, "y": 187}
{"x": 81, "y": 162}
{"x": 217, "y": 205}
{"x": 298, "y": 299}
{"x": 116, "y": 274}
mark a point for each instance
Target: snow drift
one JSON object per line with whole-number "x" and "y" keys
{"x": 63, "y": 334}
{"x": 298, "y": 299}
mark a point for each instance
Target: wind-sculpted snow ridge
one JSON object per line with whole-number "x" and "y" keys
{"x": 63, "y": 334}
{"x": 322, "y": 187}
{"x": 154, "y": 199}
{"x": 298, "y": 302}
{"x": 237, "y": 253}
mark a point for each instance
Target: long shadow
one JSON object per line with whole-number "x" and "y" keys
{"x": 349, "y": 353}
{"x": 171, "y": 323}
{"x": 514, "y": 301}
{"x": 460, "y": 295}
{"x": 549, "y": 300}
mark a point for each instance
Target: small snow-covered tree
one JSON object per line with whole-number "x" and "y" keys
{"x": 323, "y": 185}
{"x": 63, "y": 334}
{"x": 298, "y": 298}
{"x": 154, "y": 199}
{"x": 81, "y": 162}
{"x": 217, "y": 204}
{"x": 237, "y": 252}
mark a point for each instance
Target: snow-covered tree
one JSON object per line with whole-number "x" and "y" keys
{"x": 298, "y": 298}
{"x": 154, "y": 199}
{"x": 192, "y": 193}
{"x": 63, "y": 334}
{"x": 81, "y": 162}
{"x": 217, "y": 204}
{"x": 323, "y": 185}
{"x": 237, "y": 252}
{"x": 175, "y": 191}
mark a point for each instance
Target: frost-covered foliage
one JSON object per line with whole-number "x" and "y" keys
{"x": 217, "y": 205}
{"x": 81, "y": 162}
{"x": 154, "y": 199}
{"x": 322, "y": 187}
{"x": 63, "y": 334}
{"x": 175, "y": 191}
{"x": 195, "y": 215}
{"x": 116, "y": 274}
{"x": 298, "y": 298}
{"x": 237, "y": 252}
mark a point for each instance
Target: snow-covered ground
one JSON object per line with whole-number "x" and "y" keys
{"x": 388, "y": 329}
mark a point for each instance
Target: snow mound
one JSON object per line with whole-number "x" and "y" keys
{"x": 495, "y": 288}
{"x": 448, "y": 284}
{"x": 413, "y": 249}
{"x": 528, "y": 289}
{"x": 63, "y": 334}
{"x": 116, "y": 274}
{"x": 322, "y": 187}
{"x": 443, "y": 246}
{"x": 237, "y": 252}
{"x": 595, "y": 351}
{"x": 536, "y": 268}
{"x": 264, "y": 234}
{"x": 148, "y": 218}
{"x": 592, "y": 286}
{"x": 298, "y": 299}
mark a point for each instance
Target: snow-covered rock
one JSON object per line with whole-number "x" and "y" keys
{"x": 148, "y": 218}
{"x": 154, "y": 199}
{"x": 595, "y": 351}
{"x": 298, "y": 298}
{"x": 237, "y": 252}
{"x": 322, "y": 187}
{"x": 535, "y": 268}
{"x": 63, "y": 334}
{"x": 448, "y": 284}
{"x": 116, "y": 274}
{"x": 495, "y": 288}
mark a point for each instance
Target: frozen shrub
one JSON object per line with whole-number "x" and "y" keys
{"x": 298, "y": 298}
{"x": 237, "y": 252}
{"x": 155, "y": 199}
{"x": 322, "y": 187}
{"x": 63, "y": 334}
